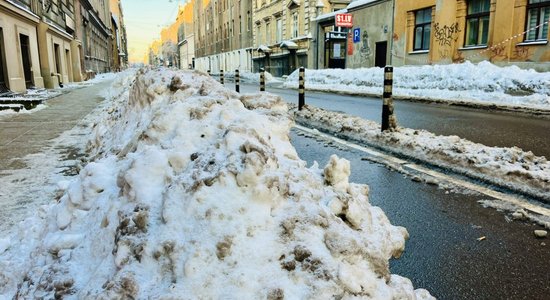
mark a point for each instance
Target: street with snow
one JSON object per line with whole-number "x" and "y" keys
{"x": 179, "y": 187}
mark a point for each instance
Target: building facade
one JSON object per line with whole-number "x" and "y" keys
{"x": 118, "y": 30}
{"x": 223, "y": 35}
{"x": 283, "y": 32}
{"x": 19, "y": 55}
{"x": 59, "y": 63}
{"x": 370, "y": 39}
{"x": 186, "y": 45}
{"x": 47, "y": 43}
{"x": 503, "y": 32}
{"x": 93, "y": 19}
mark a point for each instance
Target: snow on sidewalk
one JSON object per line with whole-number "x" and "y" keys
{"x": 481, "y": 84}
{"x": 196, "y": 193}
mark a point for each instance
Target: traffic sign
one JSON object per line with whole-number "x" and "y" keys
{"x": 357, "y": 35}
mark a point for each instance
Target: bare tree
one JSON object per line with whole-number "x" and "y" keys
{"x": 169, "y": 53}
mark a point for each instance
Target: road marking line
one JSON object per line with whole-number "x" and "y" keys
{"x": 458, "y": 182}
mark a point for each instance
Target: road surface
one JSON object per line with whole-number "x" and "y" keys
{"x": 443, "y": 253}
{"x": 491, "y": 128}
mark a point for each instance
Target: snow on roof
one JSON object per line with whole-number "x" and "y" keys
{"x": 289, "y": 45}
{"x": 331, "y": 15}
{"x": 264, "y": 48}
{"x": 357, "y": 3}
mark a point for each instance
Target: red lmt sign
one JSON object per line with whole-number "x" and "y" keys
{"x": 344, "y": 20}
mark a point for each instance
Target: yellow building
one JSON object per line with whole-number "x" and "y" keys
{"x": 19, "y": 56}
{"x": 166, "y": 48}
{"x": 120, "y": 47}
{"x": 503, "y": 32}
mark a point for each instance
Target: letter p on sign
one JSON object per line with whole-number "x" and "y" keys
{"x": 356, "y": 35}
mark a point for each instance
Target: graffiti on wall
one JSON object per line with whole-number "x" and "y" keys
{"x": 498, "y": 51}
{"x": 365, "y": 47}
{"x": 522, "y": 52}
{"x": 445, "y": 35}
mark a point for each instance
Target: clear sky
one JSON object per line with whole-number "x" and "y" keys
{"x": 144, "y": 20}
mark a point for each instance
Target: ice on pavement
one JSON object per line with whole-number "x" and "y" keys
{"x": 481, "y": 84}
{"x": 195, "y": 192}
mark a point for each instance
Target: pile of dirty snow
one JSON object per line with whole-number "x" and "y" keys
{"x": 196, "y": 193}
{"x": 508, "y": 167}
{"x": 479, "y": 84}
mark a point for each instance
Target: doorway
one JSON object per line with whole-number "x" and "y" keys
{"x": 26, "y": 59}
{"x": 380, "y": 54}
{"x": 3, "y": 72}
{"x": 335, "y": 50}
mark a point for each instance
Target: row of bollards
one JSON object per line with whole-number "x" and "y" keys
{"x": 262, "y": 80}
{"x": 388, "y": 119}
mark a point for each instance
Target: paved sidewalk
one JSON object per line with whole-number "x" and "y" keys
{"x": 39, "y": 149}
{"x": 24, "y": 134}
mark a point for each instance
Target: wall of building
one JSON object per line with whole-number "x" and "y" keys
{"x": 94, "y": 20}
{"x": 15, "y": 22}
{"x": 228, "y": 61}
{"x": 223, "y": 34}
{"x": 374, "y": 22}
{"x": 187, "y": 52}
{"x": 505, "y": 44}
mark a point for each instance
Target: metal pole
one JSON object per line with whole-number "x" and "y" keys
{"x": 387, "y": 108}
{"x": 237, "y": 81}
{"x": 301, "y": 89}
{"x": 221, "y": 77}
{"x": 262, "y": 80}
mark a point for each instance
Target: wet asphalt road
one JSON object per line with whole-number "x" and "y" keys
{"x": 443, "y": 254}
{"x": 491, "y": 128}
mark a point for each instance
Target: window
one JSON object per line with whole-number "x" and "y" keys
{"x": 477, "y": 22}
{"x": 538, "y": 13}
{"x": 279, "y": 30}
{"x": 295, "y": 24}
{"x": 422, "y": 29}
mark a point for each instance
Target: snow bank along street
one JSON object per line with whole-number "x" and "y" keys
{"x": 482, "y": 84}
{"x": 508, "y": 167}
{"x": 193, "y": 191}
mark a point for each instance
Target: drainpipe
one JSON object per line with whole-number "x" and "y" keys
{"x": 319, "y": 7}
{"x": 392, "y": 32}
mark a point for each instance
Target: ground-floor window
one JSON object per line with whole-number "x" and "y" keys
{"x": 538, "y": 14}
{"x": 477, "y": 22}
{"x": 422, "y": 29}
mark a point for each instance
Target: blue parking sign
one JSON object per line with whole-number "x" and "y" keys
{"x": 356, "y": 35}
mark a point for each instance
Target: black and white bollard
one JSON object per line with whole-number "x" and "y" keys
{"x": 388, "y": 120}
{"x": 237, "y": 81}
{"x": 208, "y": 72}
{"x": 262, "y": 80}
{"x": 221, "y": 77}
{"x": 301, "y": 89}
